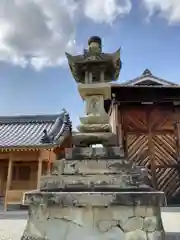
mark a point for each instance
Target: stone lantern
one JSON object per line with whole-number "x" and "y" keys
{"x": 93, "y": 70}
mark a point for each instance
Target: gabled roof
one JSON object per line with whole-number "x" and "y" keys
{"x": 147, "y": 78}
{"x": 24, "y": 131}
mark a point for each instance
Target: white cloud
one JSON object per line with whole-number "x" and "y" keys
{"x": 106, "y": 10}
{"x": 40, "y": 31}
{"x": 169, "y": 9}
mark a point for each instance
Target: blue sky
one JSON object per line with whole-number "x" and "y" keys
{"x": 152, "y": 44}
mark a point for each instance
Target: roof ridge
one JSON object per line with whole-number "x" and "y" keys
{"x": 28, "y": 118}
{"x": 29, "y": 115}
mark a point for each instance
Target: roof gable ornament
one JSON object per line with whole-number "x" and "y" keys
{"x": 148, "y": 79}
{"x": 146, "y": 72}
{"x": 61, "y": 127}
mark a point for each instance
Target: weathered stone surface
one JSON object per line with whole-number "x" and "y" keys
{"x": 95, "y": 112}
{"x": 82, "y": 182}
{"x": 103, "y": 89}
{"x": 157, "y": 235}
{"x": 150, "y": 212}
{"x": 27, "y": 237}
{"x": 35, "y": 228}
{"x": 136, "y": 235}
{"x": 58, "y": 167}
{"x": 101, "y": 127}
{"x": 133, "y": 223}
{"x": 139, "y": 175}
{"x": 118, "y": 213}
{"x": 85, "y": 139}
{"x": 72, "y": 223}
{"x": 150, "y": 224}
{"x": 98, "y": 167}
{"x": 105, "y": 199}
{"x": 86, "y": 223}
{"x": 106, "y": 225}
{"x": 82, "y": 153}
{"x": 144, "y": 211}
{"x": 84, "y": 199}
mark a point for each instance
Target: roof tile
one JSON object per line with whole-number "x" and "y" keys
{"x": 21, "y": 131}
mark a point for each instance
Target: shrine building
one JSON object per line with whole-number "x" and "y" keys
{"x": 145, "y": 115}
{"x": 25, "y": 153}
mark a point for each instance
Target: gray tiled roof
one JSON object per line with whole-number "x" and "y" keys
{"x": 24, "y": 131}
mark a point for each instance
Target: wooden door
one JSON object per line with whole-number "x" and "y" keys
{"x": 135, "y": 130}
{"x": 165, "y": 152}
{"x": 150, "y": 141}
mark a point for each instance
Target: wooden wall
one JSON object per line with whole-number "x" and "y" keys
{"x": 151, "y": 139}
{"x": 20, "y": 171}
{"x": 24, "y": 168}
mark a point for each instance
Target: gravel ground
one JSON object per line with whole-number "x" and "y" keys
{"x": 12, "y": 224}
{"x": 11, "y": 229}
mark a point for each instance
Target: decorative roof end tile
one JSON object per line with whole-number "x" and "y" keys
{"x": 146, "y": 72}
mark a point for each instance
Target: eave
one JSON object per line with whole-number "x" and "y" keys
{"x": 157, "y": 94}
{"x": 137, "y": 94}
{"x": 116, "y": 85}
{"x": 28, "y": 148}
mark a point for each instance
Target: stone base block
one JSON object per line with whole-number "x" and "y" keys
{"x": 69, "y": 223}
{"x": 95, "y": 199}
{"x": 87, "y": 182}
{"x": 91, "y": 167}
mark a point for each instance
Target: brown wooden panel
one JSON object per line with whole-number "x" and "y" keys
{"x": 152, "y": 140}
{"x": 161, "y": 119}
{"x": 157, "y": 124}
{"x": 138, "y": 151}
{"x": 168, "y": 181}
{"x": 164, "y": 144}
{"x": 158, "y": 119}
{"x": 164, "y": 149}
{"x": 135, "y": 120}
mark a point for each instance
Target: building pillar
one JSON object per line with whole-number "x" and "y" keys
{"x": 39, "y": 172}
{"x": 119, "y": 127}
{"x": 9, "y": 180}
{"x": 117, "y": 121}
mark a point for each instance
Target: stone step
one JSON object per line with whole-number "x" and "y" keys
{"x": 84, "y": 167}
{"x": 118, "y": 181}
{"x": 131, "y": 199}
{"x": 79, "y": 153}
